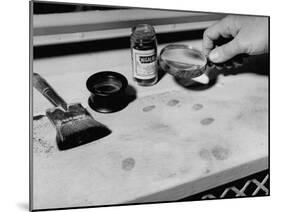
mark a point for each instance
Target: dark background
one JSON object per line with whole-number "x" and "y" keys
{"x": 47, "y": 7}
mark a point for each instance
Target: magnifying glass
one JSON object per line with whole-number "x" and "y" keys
{"x": 184, "y": 63}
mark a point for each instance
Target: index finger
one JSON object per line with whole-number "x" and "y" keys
{"x": 210, "y": 34}
{"x": 219, "y": 29}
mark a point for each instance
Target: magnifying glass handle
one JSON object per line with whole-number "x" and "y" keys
{"x": 234, "y": 62}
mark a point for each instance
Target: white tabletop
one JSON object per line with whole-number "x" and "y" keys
{"x": 208, "y": 138}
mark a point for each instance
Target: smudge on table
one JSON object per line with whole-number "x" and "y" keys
{"x": 128, "y": 164}
{"x": 197, "y": 107}
{"x": 220, "y": 153}
{"x": 205, "y": 154}
{"x": 207, "y": 121}
{"x": 41, "y": 133}
{"x": 148, "y": 108}
{"x": 173, "y": 102}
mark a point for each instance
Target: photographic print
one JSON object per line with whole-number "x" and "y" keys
{"x": 139, "y": 105}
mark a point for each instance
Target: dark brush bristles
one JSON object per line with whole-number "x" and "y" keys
{"x": 79, "y": 132}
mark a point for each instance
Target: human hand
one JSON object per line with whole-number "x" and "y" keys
{"x": 248, "y": 34}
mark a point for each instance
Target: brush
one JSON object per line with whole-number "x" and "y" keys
{"x": 74, "y": 124}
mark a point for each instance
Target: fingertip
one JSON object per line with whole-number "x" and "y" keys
{"x": 225, "y": 52}
{"x": 214, "y": 56}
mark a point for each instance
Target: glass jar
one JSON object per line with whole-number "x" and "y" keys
{"x": 144, "y": 54}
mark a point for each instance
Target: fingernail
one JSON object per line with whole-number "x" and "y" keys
{"x": 214, "y": 56}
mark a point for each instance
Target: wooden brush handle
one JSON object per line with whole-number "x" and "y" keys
{"x": 46, "y": 90}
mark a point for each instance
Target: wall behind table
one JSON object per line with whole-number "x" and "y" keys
{"x": 71, "y": 27}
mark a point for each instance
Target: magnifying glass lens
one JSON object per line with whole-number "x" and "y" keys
{"x": 182, "y": 61}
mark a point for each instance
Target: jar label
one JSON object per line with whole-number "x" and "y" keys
{"x": 144, "y": 63}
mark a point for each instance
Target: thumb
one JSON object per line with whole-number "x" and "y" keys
{"x": 225, "y": 52}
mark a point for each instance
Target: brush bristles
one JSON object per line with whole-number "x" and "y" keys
{"x": 78, "y": 132}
